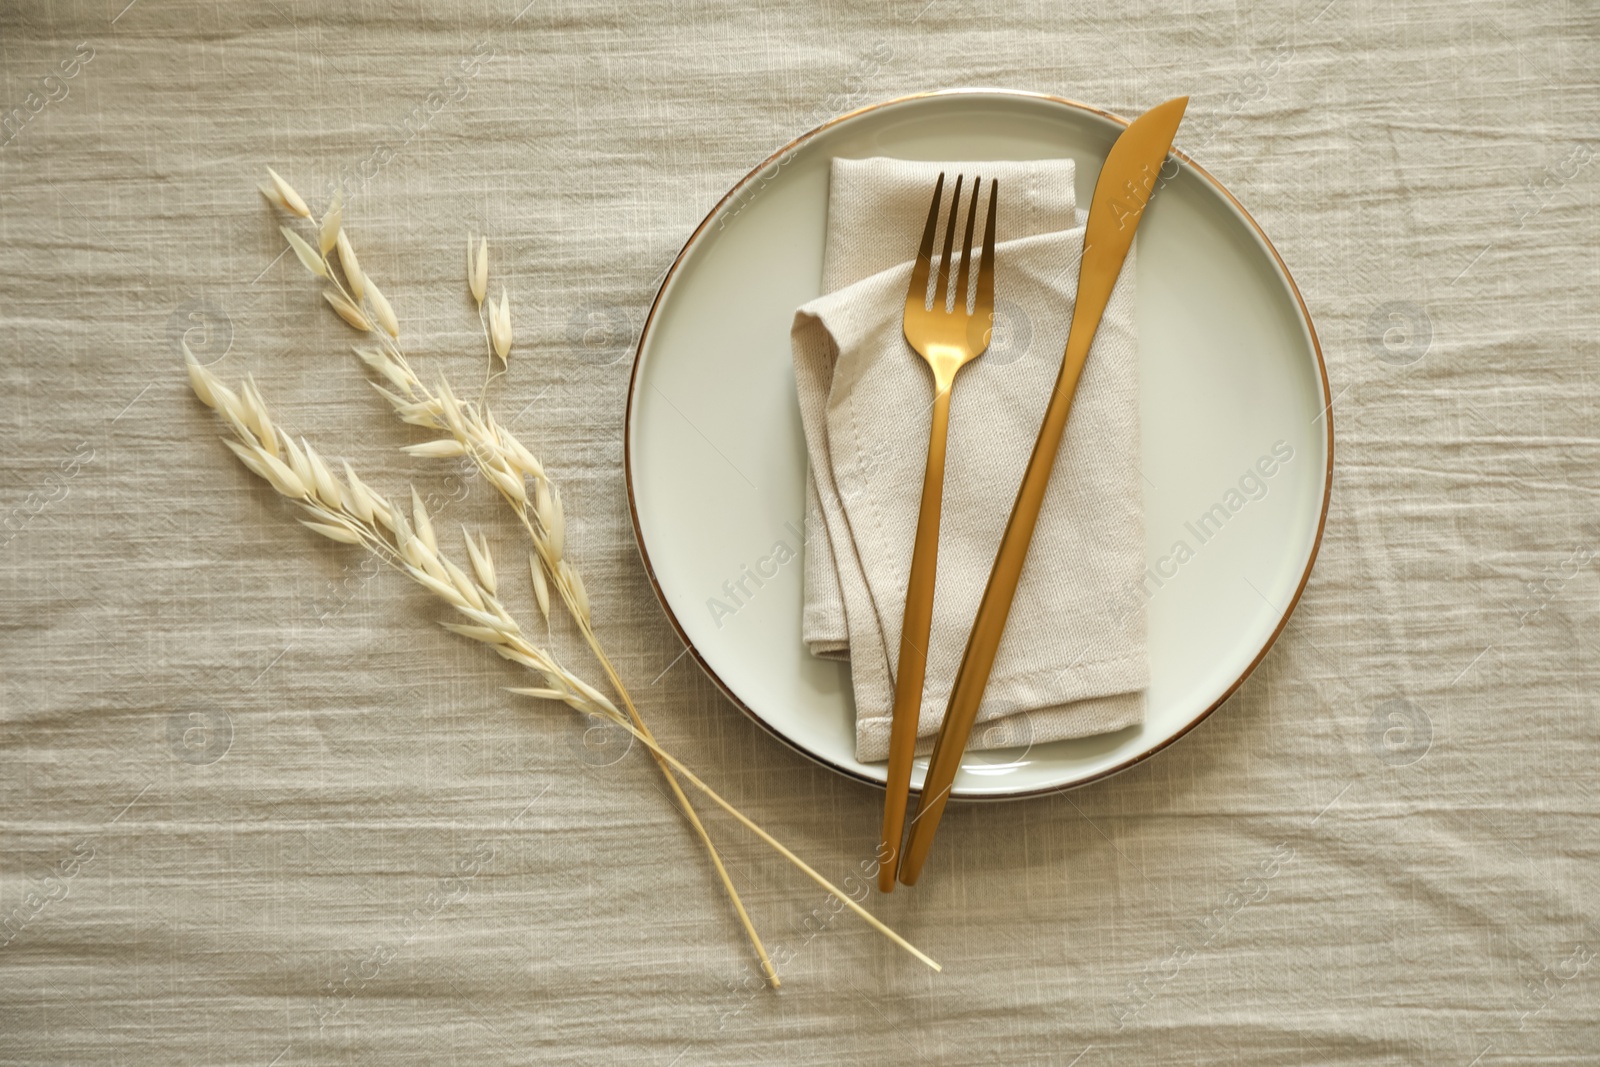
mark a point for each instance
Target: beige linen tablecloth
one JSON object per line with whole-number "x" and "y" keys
{"x": 254, "y": 809}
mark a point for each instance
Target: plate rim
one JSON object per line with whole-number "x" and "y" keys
{"x": 633, "y": 389}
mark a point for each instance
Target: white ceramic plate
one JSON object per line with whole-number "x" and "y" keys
{"x": 1230, "y": 371}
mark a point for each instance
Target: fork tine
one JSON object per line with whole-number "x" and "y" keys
{"x": 966, "y": 247}
{"x": 917, "y": 294}
{"x": 985, "y": 302}
{"x": 946, "y": 341}
{"x": 940, "y": 296}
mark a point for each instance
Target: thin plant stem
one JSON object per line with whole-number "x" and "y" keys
{"x": 488, "y": 366}
{"x": 717, "y": 799}
{"x": 688, "y": 809}
{"x": 638, "y": 726}
{"x": 643, "y": 731}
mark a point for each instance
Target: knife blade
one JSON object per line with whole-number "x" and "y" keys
{"x": 1123, "y": 190}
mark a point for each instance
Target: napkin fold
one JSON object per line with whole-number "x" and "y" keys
{"x": 1073, "y": 658}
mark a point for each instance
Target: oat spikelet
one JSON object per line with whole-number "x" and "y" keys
{"x": 464, "y": 585}
{"x": 381, "y": 308}
{"x": 558, "y": 528}
{"x": 510, "y": 484}
{"x": 305, "y": 253}
{"x": 580, "y": 595}
{"x": 322, "y": 480}
{"x": 424, "y": 526}
{"x": 275, "y": 471}
{"x": 328, "y": 232}
{"x": 347, "y": 311}
{"x": 500, "y": 327}
{"x": 450, "y": 408}
{"x": 445, "y": 448}
{"x": 290, "y": 198}
{"x": 351, "y": 266}
{"x": 520, "y": 457}
{"x": 296, "y": 461}
{"x": 541, "y": 591}
{"x": 209, "y": 388}
{"x": 272, "y": 195}
{"x": 478, "y": 269}
{"x": 333, "y": 533}
{"x": 199, "y": 378}
{"x": 357, "y": 497}
{"x": 254, "y": 412}
{"x": 547, "y": 506}
{"x": 396, "y": 373}
{"x": 482, "y": 562}
{"x": 488, "y": 559}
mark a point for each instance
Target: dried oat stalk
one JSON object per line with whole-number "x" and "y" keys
{"x": 471, "y": 430}
{"x": 350, "y": 512}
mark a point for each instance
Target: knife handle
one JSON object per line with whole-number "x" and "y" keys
{"x": 984, "y": 640}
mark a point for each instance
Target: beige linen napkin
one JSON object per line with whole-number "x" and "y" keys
{"x": 1072, "y": 661}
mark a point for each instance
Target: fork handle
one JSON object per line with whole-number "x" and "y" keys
{"x": 987, "y": 628}
{"x": 915, "y": 625}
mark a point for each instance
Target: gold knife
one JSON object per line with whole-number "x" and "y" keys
{"x": 1126, "y": 183}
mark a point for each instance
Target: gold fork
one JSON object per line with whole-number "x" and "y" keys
{"x": 948, "y": 337}
{"x": 1126, "y": 183}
